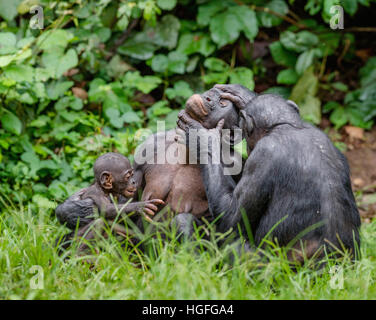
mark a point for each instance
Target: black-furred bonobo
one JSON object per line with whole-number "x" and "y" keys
{"x": 294, "y": 180}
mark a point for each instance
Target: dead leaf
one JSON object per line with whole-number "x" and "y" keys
{"x": 358, "y": 182}
{"x": 364, "y": 54}
{"x": 71, "y": 72}
{"x": 80, "y": 93}
{"x": 355, "y": 132}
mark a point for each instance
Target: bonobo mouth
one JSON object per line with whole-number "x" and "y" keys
{"x": 129, "y": 192}
{"x": 195, "y": 107}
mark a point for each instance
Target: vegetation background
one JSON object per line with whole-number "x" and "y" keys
{"x": 100, "y": 73}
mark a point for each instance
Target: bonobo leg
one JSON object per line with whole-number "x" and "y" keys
{"x": 184, "y": 224}
{"x": 92, "y": 232}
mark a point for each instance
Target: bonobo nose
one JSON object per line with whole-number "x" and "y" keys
{"x": 195, "y": 107}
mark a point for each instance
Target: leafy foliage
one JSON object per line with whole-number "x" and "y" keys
{"x": 101, "y": 72}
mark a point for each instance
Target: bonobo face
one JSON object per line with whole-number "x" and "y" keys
{"x": 124, "y": 182}
{"x": 208, "y": 108}
{"x": 114, "y": 173}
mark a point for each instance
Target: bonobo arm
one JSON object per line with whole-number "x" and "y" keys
{"x": 143, "y": 208}
{"x": 75, "y": 210}
{"x": 250, "y": 194}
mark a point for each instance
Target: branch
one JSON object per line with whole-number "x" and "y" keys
{"x": 267, "y": 10}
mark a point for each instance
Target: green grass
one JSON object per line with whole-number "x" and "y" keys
{"x": 176, "y": 271}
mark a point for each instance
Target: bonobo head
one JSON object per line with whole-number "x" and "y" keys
{"x": 208, "y": 108}
{"x": 114, "y": 174}
{"x": 265, "y": 112}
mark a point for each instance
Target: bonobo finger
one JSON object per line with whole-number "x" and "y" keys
{"x": 235, "y": 89}
{"x": 157, "y": 201}
{"x": 182, "y": 126}
{"x": 220, "y": 124}
{"x": 149, "y": 212}
{"x": 180, "y": 136}
{"x": 147, "y": 218}
{"x": 239, "y": 102}
{"x": 183, "y": 116}
{"x": 151, "y": 206}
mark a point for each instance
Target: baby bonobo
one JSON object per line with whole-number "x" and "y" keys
{"x": 111, "y": 194}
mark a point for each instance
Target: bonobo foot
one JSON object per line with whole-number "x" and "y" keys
{"x": 184, "y": 224}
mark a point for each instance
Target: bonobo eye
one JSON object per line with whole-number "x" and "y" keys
{"x": 128, "y": 174}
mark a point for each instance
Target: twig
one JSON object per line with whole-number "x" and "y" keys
{"x": 360, "y": 29}
{"x": 123, "y": 37}
{"x": 267, "y": 10}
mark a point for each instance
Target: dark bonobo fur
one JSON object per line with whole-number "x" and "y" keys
{"x": 294, "y": 179}
{"x": 114, "y": 181}
{"x": 180, "y": 186}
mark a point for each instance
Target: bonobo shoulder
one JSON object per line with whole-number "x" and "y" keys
{"x": 263, "y": 154}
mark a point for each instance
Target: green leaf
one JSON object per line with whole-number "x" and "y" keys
{"x": 68, "y": 61}
{"x": 19, "y": 73}
{"x": 142, "y": 83}
{"x": 282, "y": 56}
{"x": 180, "y": 89}
{"x": 113, "y": 115}
{"x": 243, "y": 76}
{"x": 190, "y": 43}
{"x": 340, "y": 86}
{"x": 117, "y": 67}
{"x": 215, "y": 64}
{"x": 298, "y": 42}
{"x": 165, "y": 33}
{"x": 247, "y": 19}
{"x": 368, "y": 72}
{"x": 7, "y": 43}
{"x": 166, "y": 4}
{"x": 131, "y": 117}
{"x": 281, "y": 91}
{"x": 331, "y": 105}
{"x": 71, "y": 101}
{"x": 159, "y": 108}
{"x": 176, "y": 62}
{"x": 137, "y": 49}
{"x": 287, "y": 76}
{"x": 8, "y": 9}
{"x": 159, "y": 63}
{"x": 11, "y": 123}
{"x": 6, "y": 60}
{"x": 208, "y": 10}
{"x": 339, "y": 117}
{"x": 52, "y": 39}
{"x": 304, "y": 94}
{"x": 269, "y": 20}
{"x": 226, "y": 26}
{"x": 350, "y": 6}
{"x": 57, "y": 62}
{"x": 305, "y": 60}
{"x": 57, "y": 89}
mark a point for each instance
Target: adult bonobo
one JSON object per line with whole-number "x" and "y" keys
{"x": 178, "y": 182}
{"x": 179, "y": 185}
{"x": 294, "y": 180}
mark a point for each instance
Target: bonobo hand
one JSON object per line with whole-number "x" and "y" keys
{"x": 145, "y": 208}
{"x": 236, "y": 93}
{"x": 188, "y": 128}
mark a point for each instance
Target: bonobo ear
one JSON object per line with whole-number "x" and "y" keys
{"x": 294, "y": 105}
{"x": 106, "y": 180}
{"x": 246, "y": 122}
